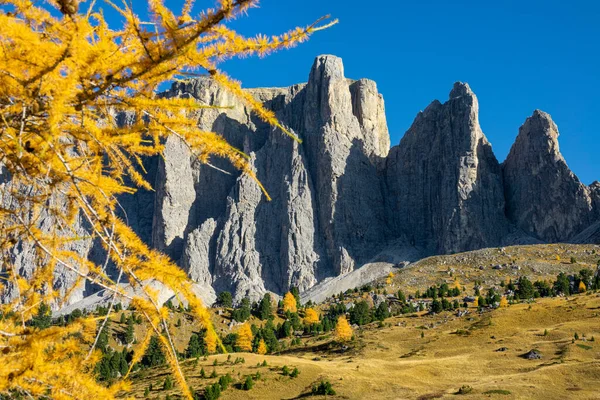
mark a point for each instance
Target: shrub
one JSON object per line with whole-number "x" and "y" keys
{"x": 168, "y": 385}
{"x": 465, "y": 389}
{"x": 212, "y": 392}
{"x": 324, "y": 388}
{"x": 294, "y": 373}
{"x": 224, "y": 381}
{"x": 285, "y": 371}
{"x": 248, "y": 383}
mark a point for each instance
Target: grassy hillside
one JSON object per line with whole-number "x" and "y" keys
{"x": 426, "y": 356}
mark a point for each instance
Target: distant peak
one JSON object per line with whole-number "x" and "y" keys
{"x": 540, "y": 124}
{"x": 327, "y": 66}
{"x": 540, "y": 114}
{"x": 460, "y": 89}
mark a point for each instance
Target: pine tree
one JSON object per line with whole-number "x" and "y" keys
{"x": 244, "y": 338}
{"x": 265, "y": 309}
{"x": 296, "y": 292}
{"x": 343, "y": 331}
{"x": 224, "y": 299}
{"x": 129, "y": 332}
{"x": 65, "y": 75}
{"x": 289, "y": 303}
{"x": 154, "y": 355}
{"x": 43, "y": 318}
{"x": 195, "y": 346}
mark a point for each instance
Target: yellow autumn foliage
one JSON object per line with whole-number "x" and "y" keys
{"x": 211, "y": 341}
{"x": 582, "y": 288}
{"x": 289, "y": 303}
{"x": 503, "y": 302}
{"x": 65, "y": 74}
{"x": 343, "y": 330}
{"x": 311, "y": 316}
{"x": 262, "y": 347}
{"x": 244, "y": 338}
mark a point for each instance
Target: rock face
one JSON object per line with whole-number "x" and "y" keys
{"x": 444, "y": 183}
{"x": 342, "y": 199}
{"x": 543, "y": 197}
{"x": 327, "y": 215}
{"x": 25, "y": 258}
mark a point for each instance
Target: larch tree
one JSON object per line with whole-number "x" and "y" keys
{"x": 289, "y": 303}
{"x": 211, "y": 339}
{"x": 343, "y": 330}
{"x": 244, "y": 338}
{"x": 388, "y": 280}
{"x": 582, "y": 288}
{"x": 262, "y": 347}
{"x": 65, "y": 74}
{"x": 503, "y": 302}
{"x": 311, "y": 316}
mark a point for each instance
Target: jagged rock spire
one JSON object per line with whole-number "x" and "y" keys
{"x": 544, "y": 198}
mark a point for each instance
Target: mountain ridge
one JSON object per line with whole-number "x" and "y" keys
{"x": 344, "y": 198}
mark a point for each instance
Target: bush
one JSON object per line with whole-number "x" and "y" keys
{"x": 248, "y": 383}
{"x": 465, "y": 389}
{"x": 212, "y": 392}
{"x": 224, "y": 381}
{"x": 324, "y": 388}
{"x": 168, "y": 385}
{"x": 294, "y": 373}
{"x": 285, "y": 370}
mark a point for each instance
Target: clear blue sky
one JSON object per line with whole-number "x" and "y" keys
{"x": 516, "y": 55}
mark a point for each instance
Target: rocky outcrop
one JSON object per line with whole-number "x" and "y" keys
{"x": 543, "y": 197}
{"x": 344, "y": 155}
{"x": 225, "y": 233}
{"x": 595, "y": 194}
{"x": 444, "y": 184}
{"x": 24, "y": 258}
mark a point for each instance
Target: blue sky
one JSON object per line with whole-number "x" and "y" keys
{"x": 516, "y": 55}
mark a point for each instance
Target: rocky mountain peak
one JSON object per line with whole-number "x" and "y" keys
{"x": 461, "y": 89}
{"x": 544, "y": 198}
{"x": 443, "y": 179}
